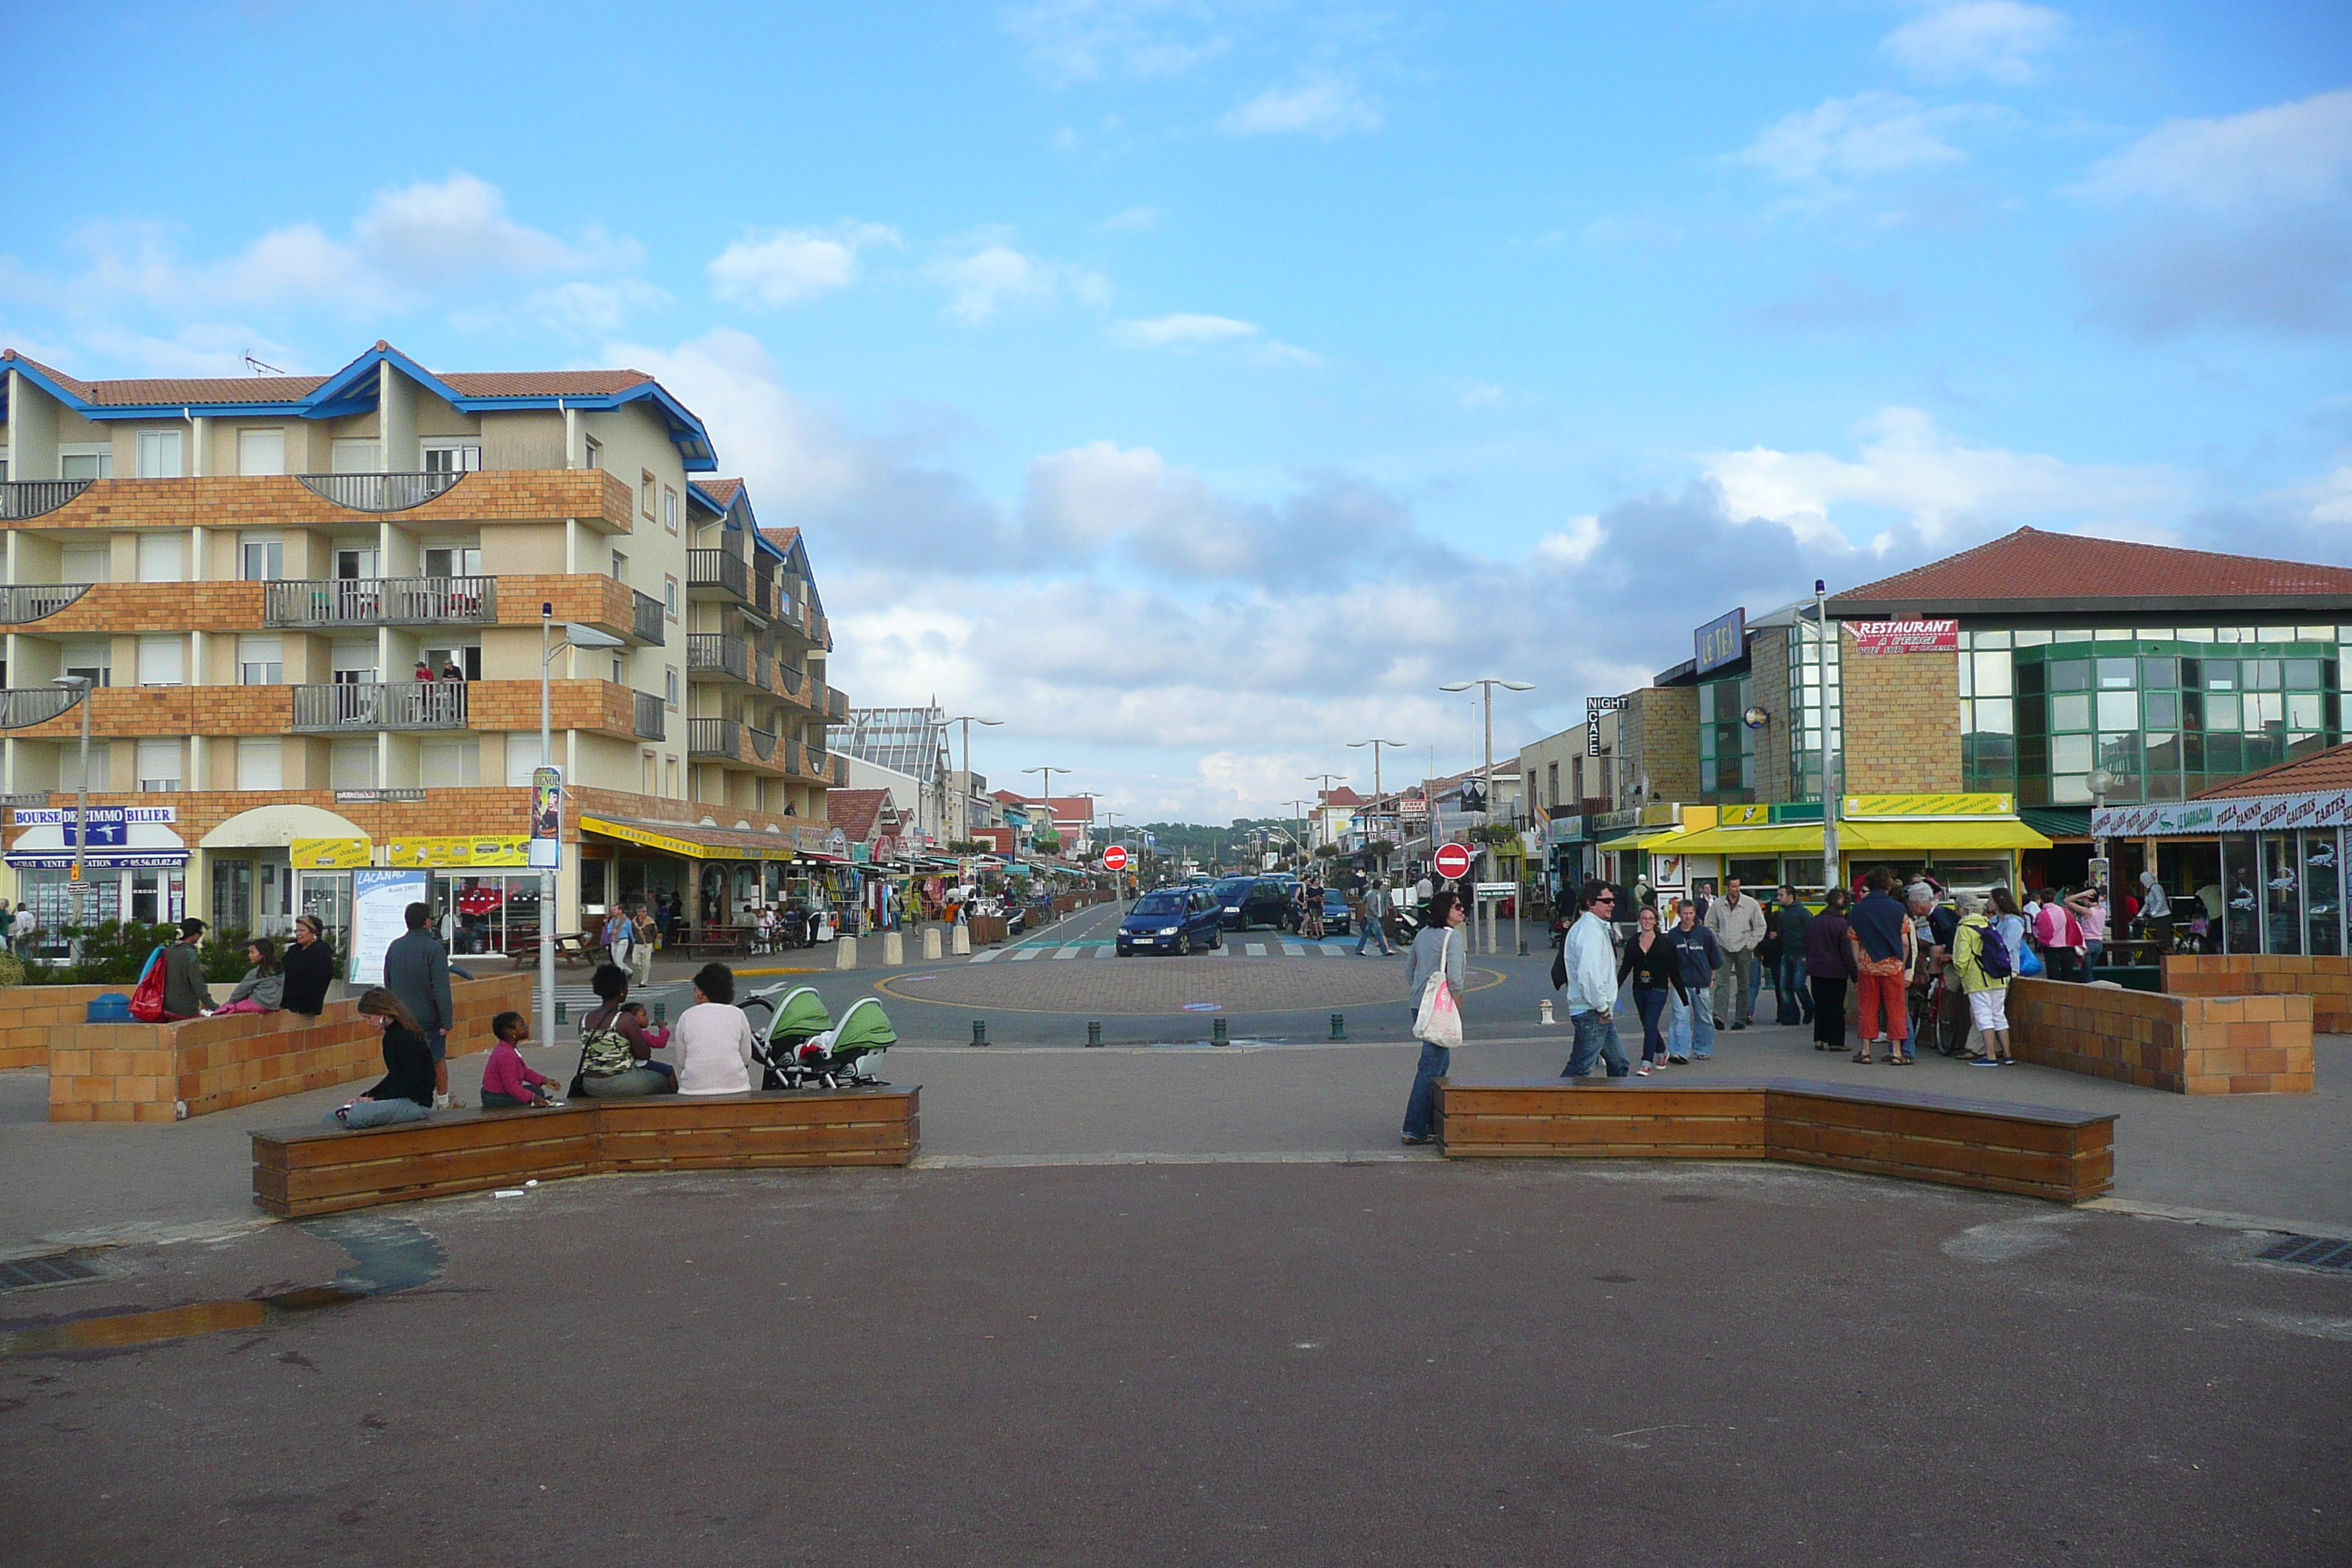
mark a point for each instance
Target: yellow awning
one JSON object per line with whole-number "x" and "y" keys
{"x": 1793, "y": 838}
{"x": 1645, "y": 839}
{"x": 695, "y": 842}
{"x": 1888, "y": 836}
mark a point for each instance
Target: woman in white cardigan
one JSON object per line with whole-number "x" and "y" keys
{"x": 713, "y": 1039}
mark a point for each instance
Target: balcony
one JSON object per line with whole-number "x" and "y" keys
{"x": 714, "y": 652}
{"x": 762, "y": 741}
{"x": 379, "y": 492}
{"x": 646, "y": 622}
{"x": 21, "y": 707}
{"x": 23, "y": 499}
{"x": 372, "y": 705}
{"x": 718, "y": 573}
{"x": 714, "y": 738}
{"x": 649, "y": 717}
{"x": 34, "y": 601}
{"x": 381, "y": 601}
{"x": 837, "y": 705}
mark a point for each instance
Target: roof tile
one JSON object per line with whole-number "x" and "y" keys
{"x": 2033, "y": 566}
{"x": 2327, "y": 769}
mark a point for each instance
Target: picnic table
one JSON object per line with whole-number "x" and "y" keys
{"x": 575, "y": 947}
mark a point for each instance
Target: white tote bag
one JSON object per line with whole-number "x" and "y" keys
{"x": 1439, "y": 1021}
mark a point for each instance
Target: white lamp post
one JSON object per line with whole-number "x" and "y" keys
{"x": 80, "y": 686}
{"x": 963, "y": 811}
{"x": 1486, "y": 685}
{"x": 574, "y": 637}
{"x": 2101, "y": 780}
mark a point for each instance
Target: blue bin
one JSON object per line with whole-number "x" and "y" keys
{"x": 112, "y": 1007}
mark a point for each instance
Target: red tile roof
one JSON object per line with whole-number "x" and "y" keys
{"x": 2322, "y": 770}
{"x": 853, "y": 811}
{"x": 1343, "y": 796}
{"x": 545, "y": 383}
{"x": 783, "y": 539}
{"x": 723, "y": 492}
{"x": 2030, "y": 569}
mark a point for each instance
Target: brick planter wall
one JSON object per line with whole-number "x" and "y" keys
{"x": 135, "y": 1072}
{"x": 27, "y": 1013}
{"x": 2184, "y": 1045}
{"x": 2326, "y": 981}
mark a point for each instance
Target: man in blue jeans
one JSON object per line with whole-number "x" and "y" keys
{"x": 1587, "y": 970}
{"x": 1693, "y": 1039}
{"x": 1796, "y": 996}
{"x": 1376, "y": 905}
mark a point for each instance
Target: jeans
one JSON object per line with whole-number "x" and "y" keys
{"x": 1596, "y": 1040}
{"x": 645, "y": 1078}
{"x": 1694, "y": 1027}
{"x": 1652, "y": 1005}
{"x": 1735, "y": 983}
{"x": 1755, "y": 985}
{"x": 1374, "y": 931}
{"x": 1793, "y": 989}
{"x": 2063, "y": 963}
{"x": 377, "y": 1113}
{"x": 1421, "y": 1105}
{"x": 1829, "y": 1010}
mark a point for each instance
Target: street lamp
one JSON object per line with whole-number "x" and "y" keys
{"x": 80, "y": 686}
{"x": 1376, "y": 746}
{"x": 964, "y": 812}
{"x": 1049, "y": 786}
{"x": 2101, "y": 780}
{"x": 575, "y": 636}
{"x": 1486, "y": 685}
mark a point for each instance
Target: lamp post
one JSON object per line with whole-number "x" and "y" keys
{"x": 1324, "y": 801}
{"x": 1832, "y": 876}
{"x": 574, "y": 637}
{"x": 963, "y": 811}
{"x": 2101, "y": 780}
{"x": 1376, "y": 746}
{"x": 1048, "y": 792}
{"x": 80, "y": 686}
{"x": 1486, "y": 685}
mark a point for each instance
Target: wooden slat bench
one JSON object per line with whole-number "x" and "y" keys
{"x": 2066, "y": 1155}
{"x": 313, "y": 1170}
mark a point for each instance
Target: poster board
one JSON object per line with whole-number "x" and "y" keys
{"x": 380, "y": 901}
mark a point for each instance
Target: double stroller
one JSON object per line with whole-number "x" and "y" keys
{"x": 804, "y": 1048}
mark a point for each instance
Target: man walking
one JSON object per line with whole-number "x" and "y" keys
{"x": 1692, "y": 1037}
{"x": 1737, "y": 923}
{"x": 417, "y": 970}
{"x": 1587, "y": 970}
{"x": 1376, "y": 908}
{"x": 1794, "y": 995}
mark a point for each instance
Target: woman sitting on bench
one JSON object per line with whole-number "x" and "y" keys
{"x": 405, "y": 1091}
{"x": 615, "y": 1058}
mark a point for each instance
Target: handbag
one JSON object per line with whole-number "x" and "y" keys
{"x": 1439, "y": 1021}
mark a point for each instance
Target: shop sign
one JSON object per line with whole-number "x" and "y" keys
{"x": 1862, "y": 807}
{"x": 99, "y": 816}
{"x": 1565, "y": 829}
{"x": 1904, "y": 637}
{"x": 859, "y": 854}
{"x": 2247, "y": 814}
{"x": 1797, "y": 811}
{"x": 1610, "y": 823}
{"x": 1594, "y": 707}
{"x": 1665, "y": 813}
{"x": 474, "y": 850}
{"x": 1723, "y": 640}
{"x": 1743, "y": 815}
{"x": 328, "y": 853}
{"x": 366, "y": 796}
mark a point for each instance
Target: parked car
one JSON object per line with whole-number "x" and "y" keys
{"x": 1337, "y": 918}
{"x": 1171, "y": 920}
{"x": 1259, "y": 900}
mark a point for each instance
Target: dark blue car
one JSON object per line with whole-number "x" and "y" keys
{"x": 1171, "y": 920}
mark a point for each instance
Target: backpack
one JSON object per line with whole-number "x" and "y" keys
{"x": 1992, "y": 957}
{"x": 147, "y": 996}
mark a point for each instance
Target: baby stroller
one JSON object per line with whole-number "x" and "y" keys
{"x": 838, "y": 1057}
{"x": 798, "y": 1015}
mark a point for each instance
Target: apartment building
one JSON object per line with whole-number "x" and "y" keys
{"x": 310, "y": 613}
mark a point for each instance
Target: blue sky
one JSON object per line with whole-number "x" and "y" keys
{"x": 1198, "y": 387}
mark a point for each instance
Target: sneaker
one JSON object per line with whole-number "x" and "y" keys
{"x": 1642, "y": 1071}
{"x": 1984, "y": 1061}
{"x": 1736, "y": 1028}
{"x": 441, "y": 1102}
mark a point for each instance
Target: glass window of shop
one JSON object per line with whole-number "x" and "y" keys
{"x": 2170, "y": 710}
{"x": 1814, "y": 693}
{"x": 2283, "y": 893}
{"x": 148, "y": 895}
{"x": 486, "y": 912}
{"x": 1727, "y": 746}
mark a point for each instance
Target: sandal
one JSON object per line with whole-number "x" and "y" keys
{"x": 1861, "y": 1056}
{"x": 1901, "y": 1062}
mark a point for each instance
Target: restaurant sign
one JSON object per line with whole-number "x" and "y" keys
{"x": 1904, "y": 637}
{"x": 2244, "y": 814}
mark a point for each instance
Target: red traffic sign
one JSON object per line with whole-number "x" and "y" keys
{"x": 1115, "y": 858}
{"x": 1453, "y": 860}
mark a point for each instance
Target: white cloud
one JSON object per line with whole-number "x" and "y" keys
{"x": 1083, "y": 40}
{"x": 1136, "y": 220}
{"x": 1938, "y": 485}
{"x": 2298, "y": 153}
{"x": 2000, "y": 39}
{"x": 1849, "y": 139}
{"x": 793, "y": 266}
{"x": 1181, "y": 330}
{"x": 985, "y": 277}
{"x": 581, "y": 307}
{"x": 1326, "y": 106}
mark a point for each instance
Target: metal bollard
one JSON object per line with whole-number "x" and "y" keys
{"x": 1523, "y": 943}
{"x": 980, "y": 1031}
{"x": 1094, "y": 1034}
{"x": 559, "y": 1010}
{"x": 1217, "y": 1033}
{"x": 1339, "y": 1026}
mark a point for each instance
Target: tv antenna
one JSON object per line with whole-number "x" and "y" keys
{"x": 260, "y": 367}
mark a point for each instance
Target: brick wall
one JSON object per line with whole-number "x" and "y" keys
{"x": 2185, "y": 1045}
{"x": 220, "y": 604}
{"x": 27, "y": 1013}
{"x": 125, "y": 712}
{"x": 1657, "y": 737}
{"x": 1902, "y": 721}
{"x": 135, "y": 1072}
{"x": 281, "y": 500}
{"x": 2328, "y": 982}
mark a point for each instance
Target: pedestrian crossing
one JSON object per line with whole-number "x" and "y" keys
{"x": 1098, "y": 948}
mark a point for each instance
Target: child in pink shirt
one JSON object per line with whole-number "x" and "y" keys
{"x": 509, "y": 1082}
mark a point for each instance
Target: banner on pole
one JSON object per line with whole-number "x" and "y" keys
{"x": 546, "y": 818}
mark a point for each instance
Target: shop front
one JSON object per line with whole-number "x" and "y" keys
{"x": 134, "y": 867}
{"x": 1641, "y": 846}
{"x": 2250, "y": 874}
{"x": 484, "y": 892}
{"x": 1965, "y": 842}
{"x": 718, "y": 877}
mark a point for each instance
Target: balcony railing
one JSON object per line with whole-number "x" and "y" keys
{"x": 837, "y": 705}
{"x": 716, "y": 651}
{"x": 649, "y": 717}
{"x": 379, "y": 492}
{"x": 721, "y": 569}
{"x": 372, "y": 705}
{"x": 381, "y": 601}
{"x": 22, "y": 706}
{"x": 646, "y": 624}
{"x": 21, "y": 498}
{"x": 840, "y": 771}
{"x": 714, "y": 738}
{"x": 764, "y": 741}
{"x": 32, "y": 601}
{"x": 790, "y": 676}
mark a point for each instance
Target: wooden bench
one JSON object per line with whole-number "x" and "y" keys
{"x": 314, "y": 1170}
{"x": 2064, "y": 1155}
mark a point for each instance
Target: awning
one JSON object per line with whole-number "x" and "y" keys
{"x": 1883, "y": 836}
{"x": 1793, "y": 839}
{"x": 2057, "y": 821}
{"x": 1646, "y": 839}
{"x": 697, "y": 843}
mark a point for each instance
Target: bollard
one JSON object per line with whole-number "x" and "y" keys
{"x": 980, "y": 1031}
{"x": 894, "y": 950}
{"x": 1094, "y": 1034}
{"x": 1523, "y": 947}
{"x": 559, "y": 1010}
{"x": 1339, "y": 1026}
{"x": 1217, "y": 1035}
{"x": 845, "y": 953}
{"x": 961, "y": 943}
{"x": 1545, "y": 1016}
{"x": 931, "y": 945}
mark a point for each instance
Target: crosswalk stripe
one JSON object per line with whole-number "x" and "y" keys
{"x": 986, "y": 954}
{"x": 1105, "y": 951}
{"x": 1021, "y": 954}
{"x": 1069, "y": 950}
{"x": 1255, "y": 949}
{"x": 1293, "y": 949}
{"x": 1333, "y": 950}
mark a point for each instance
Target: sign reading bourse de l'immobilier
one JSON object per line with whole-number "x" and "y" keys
{"x": 1904, "y": 637}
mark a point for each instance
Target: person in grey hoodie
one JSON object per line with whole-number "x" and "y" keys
{"x": 1440, "y": 942}
{"x": 417, "y": 970}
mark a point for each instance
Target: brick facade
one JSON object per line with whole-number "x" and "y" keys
{"x": 1767, "y": 663}
{"x": 1902, "y": 722}
{"x": 1657, "y": 739}
{"x": 126, "y": 711}
{"x": 282, "y": 501}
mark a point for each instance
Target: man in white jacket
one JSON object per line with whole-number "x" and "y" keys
{"x": 1587, "y": 972}
{"x": 1737, "y": 923}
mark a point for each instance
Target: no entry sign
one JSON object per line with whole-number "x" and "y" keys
{"x": 1453, "y": 860}
{"x": 1115, "y": 858}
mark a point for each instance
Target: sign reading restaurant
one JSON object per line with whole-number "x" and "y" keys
{"x": 1904, "y": 637}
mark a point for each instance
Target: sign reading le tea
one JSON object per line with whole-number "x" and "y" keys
{"x": 1721, "y": 641}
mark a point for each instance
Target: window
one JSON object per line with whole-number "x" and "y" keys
{"x": 260, "y": 763}
{"x": 451, "y": 764}
{"x": 159, "y": 765}
{"x": 453, "y": 560}
{"x": 261, "y": 451}
{"x": 350, "y": 763}
{"x": 163, "y": 661}
{"x": 670, "y": 687}
{"x": 669, "y": 596}
{"x": 162, "y": 558}
{"x": 4, "y": 466}
{"x": 1554, "y": 783}
{"x": 356, "y": 455}
{"x": 86, "y": 463}
{"x": 620, "y": 567}
{"x": 159, "y": 454}
{"x": 646, "y": 492}
{"x": 669, "y": 508}
{"x": 468, "y": 661}
{"x": 620, "y": 670}
{"x": 669, "y": 776}
{"x": 261, "y": 557}
{"x": 354, "y": 563}
{"x": 102, "y": 766}
{"x": 92, "y": 660}
{"x": 453, "y": 458}
{"x": 86, "y": 563}
{"x": 644, "y": 772}
{"x": 354, "y": 663}
{"x": 592, "y": 452}
{"x": 260, "y": 661}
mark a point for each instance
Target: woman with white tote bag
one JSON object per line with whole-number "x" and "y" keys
{"x": 1433, "y": 983}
